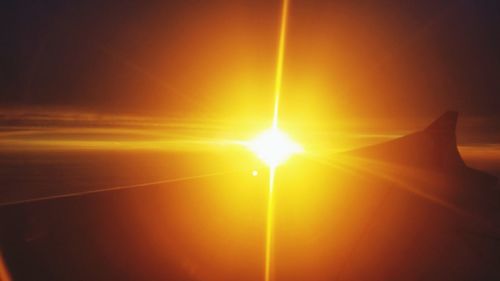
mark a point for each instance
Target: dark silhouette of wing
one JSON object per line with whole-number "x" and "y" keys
{"x": 434, "y": 148}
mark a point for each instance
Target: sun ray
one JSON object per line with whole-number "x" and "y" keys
{"x": 114, "y": 188}
{"x": 402, "y": 178}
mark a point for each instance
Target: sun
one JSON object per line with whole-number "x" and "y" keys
{"x": 274, "y": 147}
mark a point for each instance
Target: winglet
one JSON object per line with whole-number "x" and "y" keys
{"x": 446, "y": 123}
{"x": 443, "y": 134}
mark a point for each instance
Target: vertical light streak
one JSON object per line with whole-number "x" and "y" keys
{"x": 272, "y": 169}
{"x": 269, "y": 224}
{"x": 279, "y": 63}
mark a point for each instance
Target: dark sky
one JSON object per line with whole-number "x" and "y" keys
{"x": 133, "y": 56}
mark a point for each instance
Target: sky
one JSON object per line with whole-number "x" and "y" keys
{"x": 215, "y": 60}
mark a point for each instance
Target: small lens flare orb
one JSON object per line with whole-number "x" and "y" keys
{"x": 274, "y": 147}
{"x": 255, "y": 173}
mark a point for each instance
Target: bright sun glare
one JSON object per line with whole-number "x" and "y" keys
{"x": 274, "y": 147}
